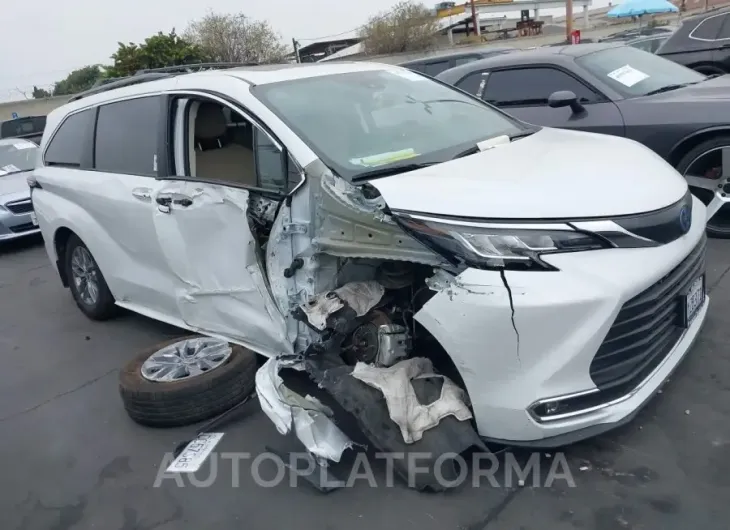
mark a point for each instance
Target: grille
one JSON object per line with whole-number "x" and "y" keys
{"x": 25, "y": 227}
{"x": 646, "y": 328}
{"x": 19, "y": 207}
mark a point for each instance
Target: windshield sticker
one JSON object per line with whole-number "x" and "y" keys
{"x": 628, "y": 76}
{"x": 24, "y": 145}
{"x": 384, "y": 158}
{"x": 10, "y": 168}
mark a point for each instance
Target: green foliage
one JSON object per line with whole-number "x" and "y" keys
{"x": 157, "y": 51}
{"x": 78, "y": 80}
{"x": 40, "y": 93}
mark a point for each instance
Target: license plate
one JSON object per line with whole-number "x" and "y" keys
{"x": 195, "y": 453}
{"x": 693, "y": 300}
{"x": 33, "y": 219}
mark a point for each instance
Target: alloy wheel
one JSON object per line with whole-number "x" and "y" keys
{"x": 85, "y": 275}
{"x": 708, "y": 176}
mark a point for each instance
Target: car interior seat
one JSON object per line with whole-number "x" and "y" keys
{"x": 218, "y": 156}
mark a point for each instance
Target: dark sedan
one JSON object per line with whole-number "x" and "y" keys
{"x": 682, "y": 115}
{"x": 435, "y": 64}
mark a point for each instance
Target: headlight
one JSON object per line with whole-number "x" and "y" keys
{"x": 494, "y": 247}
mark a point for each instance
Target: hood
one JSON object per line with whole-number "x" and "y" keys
{"x": 710, "y": 90}
{"x": 551, "y": 174}
{"x": 14, "y": 186}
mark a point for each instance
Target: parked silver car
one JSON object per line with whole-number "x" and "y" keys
{"x": 17, "y": 158}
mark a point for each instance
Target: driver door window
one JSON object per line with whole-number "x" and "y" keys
{"x": 526, "y": 87}
{"x": 226, "y": 147}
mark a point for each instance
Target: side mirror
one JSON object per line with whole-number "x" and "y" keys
{"x": 565, "y": 98}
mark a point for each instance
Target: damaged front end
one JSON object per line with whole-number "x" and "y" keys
{"x": 351, "y": 281}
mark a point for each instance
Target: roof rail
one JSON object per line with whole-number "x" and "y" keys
{"x": 188, "y": 68}
{"x": 122, "y": 82}
{"x": 152, "y": 74}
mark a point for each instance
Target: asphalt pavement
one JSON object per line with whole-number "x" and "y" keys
{"x": 71, "y": 458}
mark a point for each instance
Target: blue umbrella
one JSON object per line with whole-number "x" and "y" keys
{"x": 637, "y": 8}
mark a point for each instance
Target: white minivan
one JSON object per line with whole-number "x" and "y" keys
{"x": 556, "y": 276}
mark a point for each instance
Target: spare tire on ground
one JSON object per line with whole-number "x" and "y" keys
{"x": 186, "y": 380}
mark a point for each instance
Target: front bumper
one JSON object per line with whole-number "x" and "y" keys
{"x": 511, "y": 361}
{"x": 17, "y": 222}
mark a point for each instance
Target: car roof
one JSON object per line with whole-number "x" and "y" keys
{"x": 456, "y": 55}
{"x": 252, "y": 75}
{"x": 549, "y": 54}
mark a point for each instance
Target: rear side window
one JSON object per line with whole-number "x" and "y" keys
{"x": 127, "y": 136}
{"x": 708, "y": 29}
{"x": 69, "y": 143}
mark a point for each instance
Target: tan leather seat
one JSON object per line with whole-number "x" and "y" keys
{"x": 214, "y": 159}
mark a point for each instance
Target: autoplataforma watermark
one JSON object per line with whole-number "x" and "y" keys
{"x": 479, "y": 469}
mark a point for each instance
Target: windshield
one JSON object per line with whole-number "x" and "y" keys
{"x": 633, "y": 72}
{"x": 362, "y": 120}
{"x": 17, "y": 155}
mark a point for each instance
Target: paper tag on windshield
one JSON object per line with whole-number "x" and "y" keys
{"x": 10, "y": 168}
{"x": 24, "y": 145}
{"x": 628, "y": 76}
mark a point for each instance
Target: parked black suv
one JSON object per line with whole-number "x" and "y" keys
{"x": 702, "y": 42}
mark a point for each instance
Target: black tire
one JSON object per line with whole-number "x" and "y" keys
{"x": 188, "y": 401}
{"x": 104, "y": 308}
{"x": 715, "y": 229}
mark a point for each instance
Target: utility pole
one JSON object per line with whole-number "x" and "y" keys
{"x": 295, "y": 43}
{"x": 475, "y": 19}
{"x": 569, "y": 21}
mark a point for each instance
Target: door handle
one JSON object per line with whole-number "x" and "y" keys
{"x": 169, "y": 200}
{"x": 143, "y": 194}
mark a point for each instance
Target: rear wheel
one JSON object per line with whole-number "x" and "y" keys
{"x": 707, "y": 170}
{"x": 86, "y": 282}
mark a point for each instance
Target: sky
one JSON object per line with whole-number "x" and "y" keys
{"x": 42, "y": 41}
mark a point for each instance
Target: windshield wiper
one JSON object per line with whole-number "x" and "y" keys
{"x": 474, "y": 149}
{"x": 389, "y": 171}
{"x": 667, "y": 88}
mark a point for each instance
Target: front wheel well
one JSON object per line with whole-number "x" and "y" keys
{"x": 60, "y": 242}
{"x": 685, "y": 146}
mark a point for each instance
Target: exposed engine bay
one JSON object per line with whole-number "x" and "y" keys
{"x": 350, "y": 281}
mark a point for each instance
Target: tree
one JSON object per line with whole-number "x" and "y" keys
{"x": 409, "y": 26}
{"x": 156, "y": 51}
{"x": 236, "y": 38}
{"x": 40, "y": 93}
{"x": 78, "y": 80}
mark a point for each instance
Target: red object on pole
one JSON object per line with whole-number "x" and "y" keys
{"x": 575, "y": 37}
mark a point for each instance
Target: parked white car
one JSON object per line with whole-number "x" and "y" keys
{"x": 561, "y": 273}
